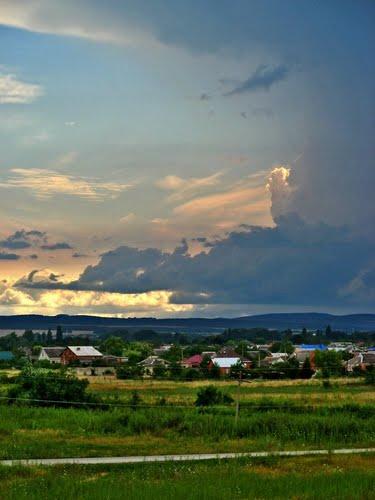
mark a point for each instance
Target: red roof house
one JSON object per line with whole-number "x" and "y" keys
{"x": 193, "y": 361}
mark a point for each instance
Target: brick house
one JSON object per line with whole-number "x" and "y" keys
{"x": 81, "y": 353}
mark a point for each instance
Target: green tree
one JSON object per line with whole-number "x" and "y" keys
{"x": 28, "y": 336}
{"x": 330, "y": 362}
{"x": 306, "y": 370}
{"x": 215, "y": 371}
{"x": 45, "y": 388}
{"x": 59, "y": 335}
{"x": 49, "y": 338}
{"x": 113, "y": 346}
{"x": 211, "y": 395}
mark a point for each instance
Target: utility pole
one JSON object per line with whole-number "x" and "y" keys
{"x": 238, "y": 399}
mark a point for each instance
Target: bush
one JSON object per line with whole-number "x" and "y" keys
{"x": 210, "y": 395}
{"x": 46, "y": 388}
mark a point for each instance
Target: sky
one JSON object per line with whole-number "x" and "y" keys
{"x": 187, "y": 158}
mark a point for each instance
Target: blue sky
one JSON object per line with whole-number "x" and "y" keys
{"x": 242, "y": 128}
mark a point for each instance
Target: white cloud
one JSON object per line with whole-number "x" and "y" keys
{"x": 185, "y": 188}
{"x": 13, "y": 91}
{"x": 69, "y": 18}
{"x": 44, "y": 184}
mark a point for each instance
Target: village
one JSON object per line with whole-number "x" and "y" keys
{"x": 117, "y": 358}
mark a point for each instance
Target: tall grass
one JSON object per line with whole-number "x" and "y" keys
{"x": 30, "y": 431}
{"x": 311, "y": 479}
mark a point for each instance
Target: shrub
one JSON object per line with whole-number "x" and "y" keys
{"x": 46, "y": 388}
{"x": 210, "y": 395}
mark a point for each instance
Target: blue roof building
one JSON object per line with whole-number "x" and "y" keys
{"x": 313, "y": 347}
{"x": 6, "y": 356}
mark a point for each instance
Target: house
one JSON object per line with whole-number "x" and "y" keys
{"x": 192, "y": 362}
{"x": 227, "y": 352}
{"x": 208, "y": 354}
{"x": 84, "y": 371}
{"x": 6, "y": 356}
{"x": 51, "y": 354}
{"x": 341, "y": 346}
{"x": 274, "y": 358}
{"x": 158, "y": 351}
{"x": 226, "y": 363}
{"x": 361, "y": 360}
{"x": 109, "y": 359}
{"x": 150, "y": 363}
{"x": 304, "y": 351}
{"x": 85, "y": 354}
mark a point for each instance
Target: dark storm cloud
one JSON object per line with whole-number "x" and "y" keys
{"x": 263, "y": 78}
{"x": 23, "y": 239}
{"x": 62, "y": 245}
{"x": 292, "y": 263}
{"x": 9, "y": 256}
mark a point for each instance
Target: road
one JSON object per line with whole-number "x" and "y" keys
{"x": 181, "y": 458}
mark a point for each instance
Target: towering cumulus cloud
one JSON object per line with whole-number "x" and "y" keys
{"x": 280, "y": 190}
{"x": 296, "y": 262}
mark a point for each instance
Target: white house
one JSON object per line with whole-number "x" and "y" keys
{"x": 51, "y": 354}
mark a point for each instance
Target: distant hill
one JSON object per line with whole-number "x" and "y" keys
{"x": 360, "y": 322}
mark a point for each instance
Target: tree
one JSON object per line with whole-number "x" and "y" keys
{"x": 160, "y": 371}
{"x": 215, "y": 371}
{"x": 128, "y": 372}
{"x": 49, "y": 338}
{"x": 210, "y": 395}
{"x": 28, "y": 336}
{"x": 330, "y": 362}
{"x": 45, "y": 388}
{"x": 306, "y": 370}
{"x": 113, "y": 346}
{"x": 59, "y": 335}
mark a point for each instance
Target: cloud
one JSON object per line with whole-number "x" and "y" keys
{"x": 280, "y": 189}
{"x": 23, "y": 300}
{"x": 13, "y": 91}
{"x": 184, "y": 188}
{"x": 23, "y": 239}
{"x": 87, "y": 20}
{"x": 44, "y": 184}
{"x": 66, "y": 159}
{"x": 293, "y": 263}
{"x": 128, "y": 218}
{"x": 77, "y": 255}
{"x": 9, "y": 256}
{"x": 245, "y": 200}
{"x": 263, "y": 78}
{"x": 62, "y": 245}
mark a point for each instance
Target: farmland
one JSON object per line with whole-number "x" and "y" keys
{"x": 274, "y": 415}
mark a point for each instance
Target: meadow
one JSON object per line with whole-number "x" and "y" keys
{"x": 331, "y": 477}
{"x": 274, "y": 415}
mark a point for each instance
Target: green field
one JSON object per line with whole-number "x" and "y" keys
{"x": 308, "y": 477}
{"x": 274, "y": 415}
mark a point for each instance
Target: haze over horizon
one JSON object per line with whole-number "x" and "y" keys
{"x": 187, "y": 158}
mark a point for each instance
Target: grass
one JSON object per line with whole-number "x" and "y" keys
{"x": 27, "y": 432}
{"x": 333, "y": 477}
{"x": 274, "y": 415}
{"x": 178, "y": 392}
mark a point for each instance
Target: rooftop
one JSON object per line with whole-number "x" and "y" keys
{"x": 84, "y": 350}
